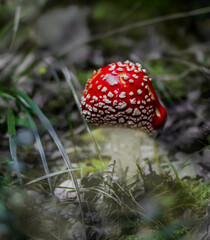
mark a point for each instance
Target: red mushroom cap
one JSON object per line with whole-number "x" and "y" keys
{"x": 121, "y": 94}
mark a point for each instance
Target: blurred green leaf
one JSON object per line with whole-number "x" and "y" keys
{"x": 6, "y": 95}
{"x": 11, "y": 121}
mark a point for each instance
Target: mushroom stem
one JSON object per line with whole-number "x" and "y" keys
{"x": 125, "y": 150}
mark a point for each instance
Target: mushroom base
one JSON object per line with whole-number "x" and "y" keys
{"x": 125, "y": 150}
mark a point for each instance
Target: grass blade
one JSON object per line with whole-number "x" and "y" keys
{"x": 46, "y": 123}
{"x": 23, "y": 97}
{"x": 5, "y": 29}
{"x": 6, "y": 95}
{"x": 12, "y": 140}
{"x": 40, "y": 147}
{"x": 16, "y": 24}
{"x": 173, "y": 168}
{"x": 52, "y": 175}
{"x": 27, "y": 69}
{"x": 13, "y": 152}
{"x": 68, "y": 80}
{"x": 11, "y": 121}
{"x": 131, "y": 26}
{"x": 58, "y": 81}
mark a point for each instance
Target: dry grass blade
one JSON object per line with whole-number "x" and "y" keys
{"x": 52, "y": 175}
{"x": 12, "y": 140}
{"x": 104, "y": 193}
{"x": 13, "y": 152}
{"x": 58, "y": 81}
{"x": 40, "y": 147}
{"x": 137, "y": 25}
{"x": 46, "y": 123}
{"x": 68, "y": 79}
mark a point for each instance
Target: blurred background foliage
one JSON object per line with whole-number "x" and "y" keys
{"x": 38, "y": 39}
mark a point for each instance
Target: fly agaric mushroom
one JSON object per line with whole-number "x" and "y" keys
{"x": 121, "y": 95}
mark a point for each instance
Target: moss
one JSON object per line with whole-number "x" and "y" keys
{"x": 164, "y": 68}
{"x": 98, "y": 134}
{"x": 84, "y": 75}
{"x": 178, "y": 87}
{"x": 175, "y": 196}
{"x": 131, "y": 237}
{"x": 170, "y": 208}
{"x": 92, "y": 166}
{"x": 99, "y": 12}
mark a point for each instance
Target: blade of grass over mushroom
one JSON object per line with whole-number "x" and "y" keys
{"x": 52, "y": 175}
{"x": 76, "y": 82}
{"x": 12, "y": 140}
{"x": 46, "y": 123}
{"x": 68, "y": 80}
{"x": 40, "y": 147}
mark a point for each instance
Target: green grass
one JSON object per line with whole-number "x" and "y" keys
{"x": 121, "y": 210}
{"x": 108, "y": 208}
